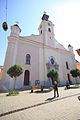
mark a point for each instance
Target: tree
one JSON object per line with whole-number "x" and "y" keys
{"x": 15, "y": 71}
{"x": 75, "y": 73}
{"x": 53, "y": 74}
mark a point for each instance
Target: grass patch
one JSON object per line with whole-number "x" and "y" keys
{"x": 13, "y": 92}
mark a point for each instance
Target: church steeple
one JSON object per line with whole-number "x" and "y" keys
{"x": 46, "y": 30}
{"x": 15, "y": 30}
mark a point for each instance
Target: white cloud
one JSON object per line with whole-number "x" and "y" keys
{"x": 66, "y": 17}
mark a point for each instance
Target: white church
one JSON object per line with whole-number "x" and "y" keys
{"x": 37, "y": 54}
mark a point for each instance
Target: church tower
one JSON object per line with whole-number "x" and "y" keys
{"x": 10, "y": 58}
{"x": 46, "y": 31}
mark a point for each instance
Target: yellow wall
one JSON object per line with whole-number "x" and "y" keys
{"x": 0, "y": 75}
{"x": 1, "y": 69}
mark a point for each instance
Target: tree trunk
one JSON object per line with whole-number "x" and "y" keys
{"x": 76, "y": 80}
{"x": 15, "y": 83}
{"x": 52, "y": 81}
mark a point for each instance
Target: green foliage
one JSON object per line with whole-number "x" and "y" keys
{"x": 53, "y": 74}
{"x": 15, "y": 70}
{"x": 13, "y": 92}
{"x": 75, "y": 73}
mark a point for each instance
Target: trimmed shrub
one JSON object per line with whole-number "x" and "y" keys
{"x": 13, "y": 92}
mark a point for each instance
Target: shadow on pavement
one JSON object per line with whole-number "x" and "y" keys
{"x": 75, "y": 87}
{"x": 50, "y": 99}
{"x": 44, "y": 91}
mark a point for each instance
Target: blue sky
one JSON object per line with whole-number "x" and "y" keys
{"x": 65, "y": 14}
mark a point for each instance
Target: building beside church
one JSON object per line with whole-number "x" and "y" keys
{"x": 1, "y": 69}
{"x": 78, "y": 64}
{"x": 37, "y": 54}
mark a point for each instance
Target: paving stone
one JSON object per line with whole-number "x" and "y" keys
{"x": 41, "y": 105}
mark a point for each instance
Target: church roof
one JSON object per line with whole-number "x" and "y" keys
{"x": 77, "y": 62}
{"x": 16, "y": 25}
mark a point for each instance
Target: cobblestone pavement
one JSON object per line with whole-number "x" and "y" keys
{"x": 41, "y": 106}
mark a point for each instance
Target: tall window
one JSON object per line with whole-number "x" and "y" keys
{"x": 49, "y": 29}
{"x": 67, "y": 65}
{"x": 41, "y": 31}
{"x": 68, "y": 77}
{"x": 27, "y": 59}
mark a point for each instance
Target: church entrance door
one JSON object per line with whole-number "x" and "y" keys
{"x": 26, "y": 77}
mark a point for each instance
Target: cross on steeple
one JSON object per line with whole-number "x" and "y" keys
{"x": 44, "y": 12}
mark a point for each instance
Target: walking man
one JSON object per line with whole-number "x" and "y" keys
{"x": 55, "y": 89}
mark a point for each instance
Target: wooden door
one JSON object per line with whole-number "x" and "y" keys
{"x": 26, "y": 77}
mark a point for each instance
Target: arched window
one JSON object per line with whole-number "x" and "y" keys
{"x": 49, "y": 29}
{"x": 27, "y": 59}
{"x": 68, "y": 75}
{"x": 67, "y": 65}
{"x": 41, "y": 31}
{"x": 49, "y": 24}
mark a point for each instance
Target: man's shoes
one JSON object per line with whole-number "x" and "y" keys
{"x": 57, "y": 95}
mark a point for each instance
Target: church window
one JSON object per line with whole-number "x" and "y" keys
{"x": 27, "y": 59}
{"x": 49, "y": 29}
{"x": 41, "y": 31}
{"x": 49, "y": 24}
{"x": 67, "y": 65}
{"x": 52, "y": 61}
{"x": 68, "y": 75}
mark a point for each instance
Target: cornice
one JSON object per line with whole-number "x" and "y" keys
{"x": 40, "y": 45}
{"x": 31, "y": 42}
{"x": 13, "y": 37}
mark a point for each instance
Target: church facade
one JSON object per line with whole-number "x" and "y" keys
{"x": 37, "y": 54}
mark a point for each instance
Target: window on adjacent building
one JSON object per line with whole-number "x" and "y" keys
{"x": 27, "y": 59}
{"x": 67, "y": 66}
{"x": 49, "y": 29}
